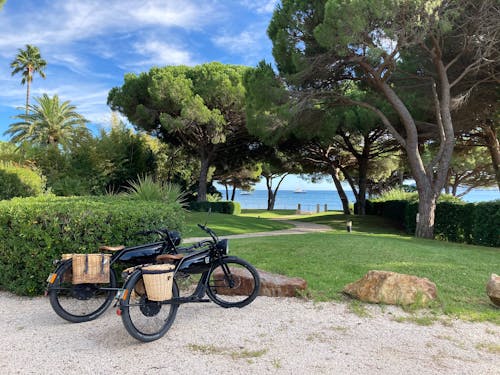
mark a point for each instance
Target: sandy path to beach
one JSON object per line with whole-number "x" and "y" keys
{"x": 300, "y": 227}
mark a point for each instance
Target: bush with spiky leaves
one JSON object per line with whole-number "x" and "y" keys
{"x": 146, "y": 188}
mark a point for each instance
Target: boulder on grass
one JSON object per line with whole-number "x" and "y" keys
{"x": 271, "y": 285}
{"x": 493, "y": 289}
{"x": 392, "y": 288}
{"x": 274, "y": 285}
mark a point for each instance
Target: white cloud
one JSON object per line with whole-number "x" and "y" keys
{"x": 159, "y": 53}
{"x": 63, "y": 22}
{"x": 260, "y": 6}
{"x": 251, "y": 43}
{"x": 237, "y": 43}
{"x": 72, "y": 61}
{"x": 185, "y": 14}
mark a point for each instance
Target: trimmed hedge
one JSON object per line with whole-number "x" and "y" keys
{"x": 486, "y": 224}
{"x": 35, "y": 231}
{"x": 472, "y": 223}
{"x": 224, "y": 207}
{"x": 19, "y": 181}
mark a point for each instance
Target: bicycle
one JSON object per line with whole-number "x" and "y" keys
{"x": 227, "y": 281}
{"x": 83, "y": 302}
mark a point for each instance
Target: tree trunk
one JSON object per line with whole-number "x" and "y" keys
{"x": 227, "y": 192}
{"x": 271, "y": 196}
{"x": 426, "y": 214}
{"x": 430, "y": 181}
{"x": 334, "y": 172}
{"x": 202, "y": 181}
{"x": 494, "y": 149}
{"x": 362, "y": 173}
{"x": 27, "y": 96}
{"x": 233, "y": 193}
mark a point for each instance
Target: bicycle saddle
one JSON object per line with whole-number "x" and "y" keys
{"x": 111, "y": 248}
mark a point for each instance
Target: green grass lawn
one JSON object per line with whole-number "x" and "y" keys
{"x": 329, "y": 261}
{"x": 335, "y": 219}
{"x": 276, "y": 214}
{"x": 228, "y": 224}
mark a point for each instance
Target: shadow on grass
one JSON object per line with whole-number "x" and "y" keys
{"x": 336, "y": 220}
{"x": 360, "y": 224}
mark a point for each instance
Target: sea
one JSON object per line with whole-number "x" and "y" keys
{"x": 318, "y": 200}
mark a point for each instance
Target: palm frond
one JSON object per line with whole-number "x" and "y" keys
{"x": 49, "y": 122}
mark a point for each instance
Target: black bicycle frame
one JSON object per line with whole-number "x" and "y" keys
{"x": 201, "y": 287}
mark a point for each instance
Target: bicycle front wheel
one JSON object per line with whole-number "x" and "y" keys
{"x": 143, "y": 319}
{"x": 81, "y": 302}
{"x": 233, "y": 282}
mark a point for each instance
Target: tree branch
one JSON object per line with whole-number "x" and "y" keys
{"x": 470, "y": 68}
{"x": 439, "y": 120}
{"x": 385, "y": 120}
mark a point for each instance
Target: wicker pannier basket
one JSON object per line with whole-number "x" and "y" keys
{"x": 91, "y": 268}
{"x": 68, "y": 275}
{"x": 158, "y": 280}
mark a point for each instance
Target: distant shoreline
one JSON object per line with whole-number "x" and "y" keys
{"x": 311, "y": 199}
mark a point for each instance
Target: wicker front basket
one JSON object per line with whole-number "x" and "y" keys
{"x": 91, "y": 268}
{"x": 158, "y": 280}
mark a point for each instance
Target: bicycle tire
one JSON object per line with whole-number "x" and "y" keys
{"x": 141, "y": 317}
{"x": 239, "y": 288}
{"x": 81, "y": 302}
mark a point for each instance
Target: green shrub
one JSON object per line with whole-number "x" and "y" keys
{"x": 148, "y": 189}
{"x": 224, "y": 207}
{"x": 397, "y": 195}
{"x": 69, "y": 185}
{"x": 456, "y": 221}
{"x": 401, "y": 212}
{"x": 19, "y": 181}
{"x": 486, "y": 224}
{"x": 35, "y": 231}
{"x": 214, "y": 198}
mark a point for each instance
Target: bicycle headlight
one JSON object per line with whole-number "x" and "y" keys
{"x": 223, "y": 246}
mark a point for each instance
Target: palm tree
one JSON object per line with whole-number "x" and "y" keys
{"x": 29, "y": 62}
{"x": 49, "y": 123}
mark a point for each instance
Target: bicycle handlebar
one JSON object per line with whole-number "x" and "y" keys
{"x": 209, "y": 231}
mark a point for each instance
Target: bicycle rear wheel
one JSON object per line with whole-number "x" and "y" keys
{"x": 143, "y": 319}
{"x": 81, "y": 302}
{"x": 233, "y": 282}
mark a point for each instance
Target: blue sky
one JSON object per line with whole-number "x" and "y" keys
{"x": 89, "y": 45}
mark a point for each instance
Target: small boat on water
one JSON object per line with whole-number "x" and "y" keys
{"x": 245, "y": 193}
{"x": 299, "y": 191}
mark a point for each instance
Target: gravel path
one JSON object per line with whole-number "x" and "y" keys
{"x": 270, "y": 336}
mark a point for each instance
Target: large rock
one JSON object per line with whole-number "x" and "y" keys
{"x": 493, "y": 289}
{"x": 274, "y": 285}
{"x": 392, "y": 288}
{"x": 271, "y": 285}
